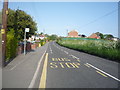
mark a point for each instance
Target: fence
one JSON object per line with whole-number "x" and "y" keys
{"x": 29, "y": 47}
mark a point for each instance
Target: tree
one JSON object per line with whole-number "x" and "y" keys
{"x": 0, "y": 19}
{"x": 52, "y": 37}
{"x": 108, "y": 36}
{"x": 83, "y": 35}
{"x": 100, "y": 34}
{"x": 19, "y": 20}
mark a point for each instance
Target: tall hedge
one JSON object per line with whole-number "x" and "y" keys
{"x": 11, "y": 46}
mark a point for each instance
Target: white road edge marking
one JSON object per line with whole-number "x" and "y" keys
{"x": 103, "y": 72}
{"x": 66, "y": 52}
{"x": 17, "y": 65}
{"x": 36, "y": 72}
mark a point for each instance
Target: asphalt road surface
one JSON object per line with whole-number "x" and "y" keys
{"x": 66, "y": 68}
{"x": 54, "y": 66}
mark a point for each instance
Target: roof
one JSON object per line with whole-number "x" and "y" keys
{"x": 73, "y": 31}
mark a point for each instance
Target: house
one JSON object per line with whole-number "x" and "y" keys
{"x": 94, "y": 35}
{"x": 73, "y": 33}
{"x": 115, "y": 39}
{"x": 36, "y": 37}
{"x": 41, "y": 37}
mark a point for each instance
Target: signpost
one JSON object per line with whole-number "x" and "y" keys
{"x": 26, "y": 30}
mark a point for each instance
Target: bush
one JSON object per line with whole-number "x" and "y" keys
{"x": 11, "y": 45}
{"x": 42, "y": 42}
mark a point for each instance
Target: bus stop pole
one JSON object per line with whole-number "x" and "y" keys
{"x": 25, "y": 43}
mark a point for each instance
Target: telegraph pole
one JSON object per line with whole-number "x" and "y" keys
{"x": 4, "y": 30}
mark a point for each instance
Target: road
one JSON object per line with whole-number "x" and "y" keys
{"x": 54, "y": 66}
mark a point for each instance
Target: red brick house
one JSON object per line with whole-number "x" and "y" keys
{"x": 94, "y": 35}
{"x": 73, "y": 33}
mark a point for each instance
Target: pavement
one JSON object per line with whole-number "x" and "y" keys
{"x": 54, "y": 66}
{"x": 20, "y": 73}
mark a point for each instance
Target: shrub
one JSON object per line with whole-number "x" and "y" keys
{"x": 11, "y": 45}
{"x": 42, "y": 42}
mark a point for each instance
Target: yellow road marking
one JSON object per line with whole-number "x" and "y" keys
{"x": 68, "y": 65}
{"x": 78, "y": 60}
{"x": 62, "y": 65}
{"x": 101, "y": 74}
{"x": 44, "y": 73}
{"x": 87, "y": 65}
{"x": 59, "y": 59}
{"x": 76, "y": 65}
{"x": 53, "y": 65}
{"x": 53, "y": 59}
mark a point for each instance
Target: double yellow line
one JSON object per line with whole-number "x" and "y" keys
{"x": 44, "y": 73}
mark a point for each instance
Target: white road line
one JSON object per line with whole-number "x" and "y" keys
{"x": 103, "y": 72}
{"x": 17, "y": 65}
{"x": 50, "y": 50}
{"x": 36, "y": 72}
{"x": 73, "y": 56}
{"x": 66, "y": 52}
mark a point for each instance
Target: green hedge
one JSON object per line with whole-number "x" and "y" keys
{"x": 11, "y": 46}
{"x": 42, "y": 42}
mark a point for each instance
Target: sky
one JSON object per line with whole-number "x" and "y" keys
{"x": 85, "y": 17}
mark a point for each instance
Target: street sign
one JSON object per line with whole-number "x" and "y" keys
{"x": 2, "y": 31}
{"x": 27, "y": 29}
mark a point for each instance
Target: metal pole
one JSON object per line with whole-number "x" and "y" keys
{"x": 4, "y": 29}
{"x": 25, "y": 43}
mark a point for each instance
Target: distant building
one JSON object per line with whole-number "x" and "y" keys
{"x": 115, "y": 39}
{"x": 73, "y": 33}
{"x": 42, "y": 37}
{"x": 36, "y": 37}
{"x": 94, "y": 35}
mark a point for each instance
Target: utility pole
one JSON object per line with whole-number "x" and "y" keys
{"x": 4, "y": 30}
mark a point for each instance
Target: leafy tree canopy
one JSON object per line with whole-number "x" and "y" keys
{"x": 0, "y": 17}
{"x": 108, "y": 36}
{"x": 19, "y": 20}
{"x": 52, "y": 37}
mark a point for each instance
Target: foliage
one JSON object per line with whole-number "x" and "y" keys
{"x": 100, "y": 34}
{"x": 0, "y": 18}
{"x": 42, "y": 42}
{"x": 11, "y": 46}
{"x": 52, "y": 37}
{"x": 108, "y": 36}
{"x": 106, "y": 49}
{"x": 19, "y": 20}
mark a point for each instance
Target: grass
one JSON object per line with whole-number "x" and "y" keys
{"x": 103, "y": 48}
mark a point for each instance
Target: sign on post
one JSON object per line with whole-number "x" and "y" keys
{"x": 27, "y": 29}
{"x": 2, "y": 31}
